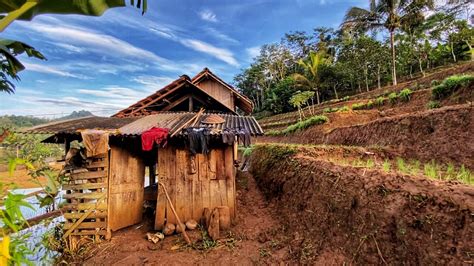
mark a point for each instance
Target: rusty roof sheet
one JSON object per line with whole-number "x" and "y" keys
{"x": 137, "y": 125}
{"x": 75, "y": 125}
{"x": 175, "y": 120}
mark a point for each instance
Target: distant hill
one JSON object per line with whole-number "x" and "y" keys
{"x": 22, "y": 121}
{"x": 75, "y": 114}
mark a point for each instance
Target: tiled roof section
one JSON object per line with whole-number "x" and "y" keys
{"x": 76, "y": 125}
{"x": 137, "y": 125}
{"x": 243, "y": 102}
{"x": 174, "y": 121}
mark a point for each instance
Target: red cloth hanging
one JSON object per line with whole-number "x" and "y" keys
{"x": 154, "y": 135}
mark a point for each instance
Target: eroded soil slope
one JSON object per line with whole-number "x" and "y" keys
{"x": 336, "y": 214}
{"x": 445, "y": 134}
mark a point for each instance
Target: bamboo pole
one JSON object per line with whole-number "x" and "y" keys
{"x": 180, "y": 224}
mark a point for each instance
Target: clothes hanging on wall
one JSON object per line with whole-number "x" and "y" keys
{"x": 95, "y": 141}
{"x": 198, "y": 140}
{"x": 228, "y": 136}
{"x": 244, "y": 137}
{"x": 154, "y": 135}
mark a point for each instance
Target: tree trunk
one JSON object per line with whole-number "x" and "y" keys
{"x": 394, "y": 67}
{"x": 421, "y": 67}
{"x": 378, "y": 76}
{"x": 452, "y": 52}
{"x": 366, "y": 74}
{"x": 317, "y": 96}
{"x": 335, "y": 91}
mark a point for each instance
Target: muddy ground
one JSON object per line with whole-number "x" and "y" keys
{"x": 345, "y": 215}
{"x": 247, "y": 243}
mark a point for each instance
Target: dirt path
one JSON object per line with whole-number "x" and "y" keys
{"x": 247, "y": 243}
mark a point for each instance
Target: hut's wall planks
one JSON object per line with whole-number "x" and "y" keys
{"x": 210, "y": 185}
{"x": 126, "y": 189}
{"x": 218, "y": 91}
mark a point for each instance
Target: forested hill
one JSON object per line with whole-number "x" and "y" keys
{"x": 360, "y": 55}
{"x": 21, "y": 121}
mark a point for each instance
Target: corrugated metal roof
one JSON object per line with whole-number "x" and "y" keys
{"x": 75, "y": 125}
{"x": 175, "y": 120}
{"x": 137, "y": 125}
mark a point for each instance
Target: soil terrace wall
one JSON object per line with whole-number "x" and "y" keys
{"x": 445, "y": 134}
{"x": 336, "y": 214}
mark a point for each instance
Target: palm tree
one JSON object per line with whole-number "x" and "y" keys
{"x": 388, "y": 14}
{"x": 311, "y": 67}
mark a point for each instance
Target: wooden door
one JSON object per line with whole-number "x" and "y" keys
{"x": 126, "y": 189}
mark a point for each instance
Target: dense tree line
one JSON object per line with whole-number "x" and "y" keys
{"x": 22, "y": 121}
{"x": 371, "y": 48}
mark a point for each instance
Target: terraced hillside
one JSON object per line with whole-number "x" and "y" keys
{"x": 411, "y": 120}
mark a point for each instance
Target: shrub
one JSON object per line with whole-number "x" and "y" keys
{"x": 343, "y": 109}
{"x": 314, "y": 120}
{"x": 330, "y": 110}
{"x": 380, "y": 101}
{"x": 433, "y": 105}
{"x": 273, "y": 133}
{"x": 358, "y": 106}
{"x": 450, "y": 85}
{"x": 392, "y": 97}
{"x": 405, "y": 94}
{"x": 345, "y": 99}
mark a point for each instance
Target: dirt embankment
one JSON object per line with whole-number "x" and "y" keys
{"x": 445, "y": 135}
{"x": 343, "y": 215}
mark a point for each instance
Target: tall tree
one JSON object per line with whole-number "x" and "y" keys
{"x": 311, "y": 66}
{"x": 388, "y": 14}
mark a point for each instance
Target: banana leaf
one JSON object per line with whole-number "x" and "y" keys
{"x": 80, "y": 7}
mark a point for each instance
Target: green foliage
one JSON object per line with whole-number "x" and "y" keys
{"x": 404, "y": 95}
{"x": 380, "y": 101}
{"x": 431, "y": 170}
{"x": 393, "y": 97}
{"x": 386, "y": 166}
{"x": 314, "y": 120}
{"x": 363, "y": 106}
{"x": 401, "y": 165}
{"x": 343, "y": 109}
{"x": 450, "y": 85}
{"x": 433, "y": 104}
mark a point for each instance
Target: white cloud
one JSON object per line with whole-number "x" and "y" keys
{"x": 219, "y": 35}
{"x": 115, "y": 92}
{"x": 208, "y": 15}
{"x": 153, "y": 82}
{"x": 253, "y": 51}
{"x": 219, "y": 53}
{"x": 69, "y": 47}
{"x": 102, "y": 44}
{"x": 51, "y": 70}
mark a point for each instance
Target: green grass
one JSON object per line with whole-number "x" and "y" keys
{"x": 380, "y": 101}
{"x": 314, "y": 120}
{"x": 450, "y": 85}
{"x": 433, "y": 105}
{"x": 393, "y": 97}
{"x": 401, "y": 165}
{"x": 386, "y": 166}
{"x": 405, "y": 95}
{"x": 330, "y": 110}
{"x": 343, "y": 109}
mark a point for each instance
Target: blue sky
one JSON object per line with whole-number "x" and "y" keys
{"x": 104, "y": 64}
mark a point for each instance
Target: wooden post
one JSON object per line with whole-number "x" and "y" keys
{"x": 191, "y": 104}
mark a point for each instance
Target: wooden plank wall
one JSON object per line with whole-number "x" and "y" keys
{"x": 211, "y": 184}
{"x": 219, "y": 92}
{"x": 86, "y": 191}
{"x": 126, "y": 188}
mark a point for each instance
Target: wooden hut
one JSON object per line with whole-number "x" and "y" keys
{"x": 109, "y": 191}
